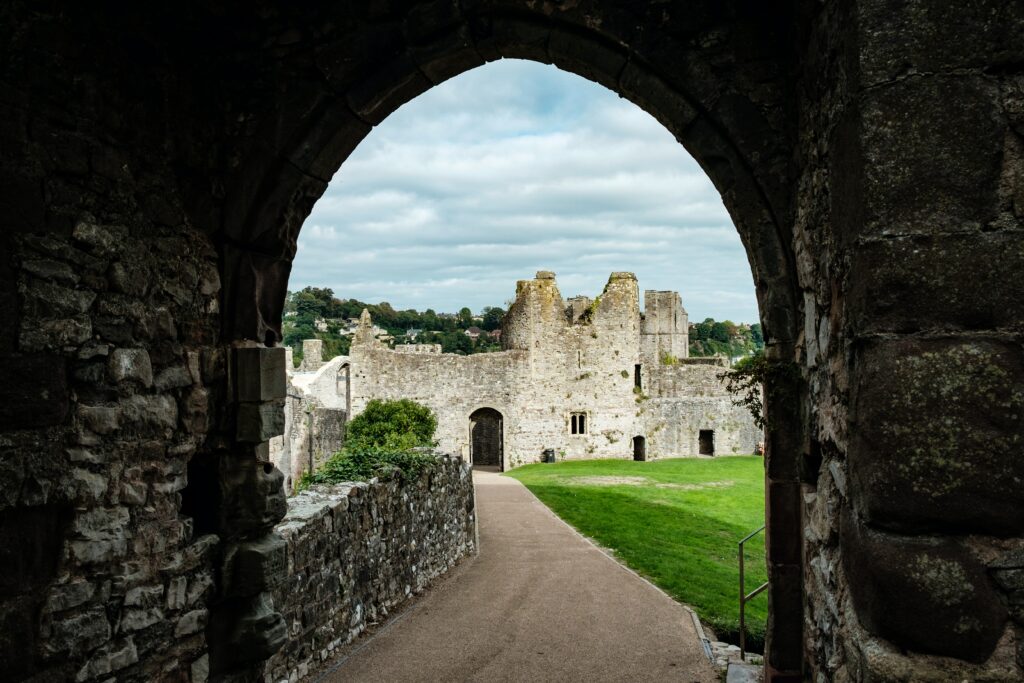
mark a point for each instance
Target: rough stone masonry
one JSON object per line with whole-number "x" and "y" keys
{"x": 159, "y": 161}
{"x": 587, "y": 378}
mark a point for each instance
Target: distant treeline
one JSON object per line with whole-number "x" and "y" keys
{"x": 725, "y": 338}
{"x": 305, "y": 308}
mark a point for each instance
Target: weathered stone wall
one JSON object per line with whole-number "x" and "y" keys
{"x": 553, "y": 367}
{"x": 868, "y": 151}
{"x": 315, "y": 415}
{"x": 357, "y": 551}
{"x": 912, "y": 342}
{"x": 117, "y": 361}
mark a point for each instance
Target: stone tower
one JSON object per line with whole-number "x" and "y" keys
{"x": 666, "y": 328}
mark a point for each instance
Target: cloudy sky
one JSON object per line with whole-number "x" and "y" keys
{"x": 517, "y": 167}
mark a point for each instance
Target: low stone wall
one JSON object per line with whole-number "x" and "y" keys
{"x": 356, "y": 551}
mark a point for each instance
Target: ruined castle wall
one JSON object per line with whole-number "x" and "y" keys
{"x": 914, "y": 518}
{"x": 686, "y": 379}
{"x": 315, "y": 415}
{"x": 116, "y": 362}
{"x": 355, "y": 552}
{"x": 673, "y": 427}
{"x": 666, "y": 327}
{"x": 685, "y": 397}
{"x": 556, "y": 368}
{"x": 451, "y": 385}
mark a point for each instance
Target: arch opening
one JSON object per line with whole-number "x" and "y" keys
{"x": 486, "y": 438}
{"x": 719, "y": 137}
{"x": 639, "y": 449}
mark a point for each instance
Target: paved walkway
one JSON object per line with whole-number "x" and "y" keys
{"x": 539, "y": 603}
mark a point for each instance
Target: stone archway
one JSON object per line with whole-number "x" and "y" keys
{"x": 741, "y": 140}
{"x": 486, "y": 438}
{"x": 159, "y": 162}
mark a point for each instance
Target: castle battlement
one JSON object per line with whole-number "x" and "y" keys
{"x": 586, "y": 377}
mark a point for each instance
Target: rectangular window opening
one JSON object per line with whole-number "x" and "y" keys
{"x": 637, "y": 379}
{"x": 578, "y": 423}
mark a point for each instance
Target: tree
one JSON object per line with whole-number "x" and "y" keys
{"x": 391, "y": 424}
{"x": 756, "y": 335}
{"x": 492, "y": 316}
{"x": 465, "y": 317}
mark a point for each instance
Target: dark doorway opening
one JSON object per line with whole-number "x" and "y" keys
{"x": 706, "y": 442}
{"x": 485, "y": 438}
{"x": 639, "y": 448}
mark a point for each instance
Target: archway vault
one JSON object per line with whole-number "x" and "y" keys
{"x": 723, "y": 97}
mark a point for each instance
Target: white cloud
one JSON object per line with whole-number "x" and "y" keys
{"x": 517, "y": 167}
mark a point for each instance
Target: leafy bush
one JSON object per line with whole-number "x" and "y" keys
{"x": 365, "y": 463}
{"x": 391, "y": 425}
{"x": 755, "y": 378}
{"x": 383, "y": 439}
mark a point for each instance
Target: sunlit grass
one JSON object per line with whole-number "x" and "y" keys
{"x": 678, "y": 526}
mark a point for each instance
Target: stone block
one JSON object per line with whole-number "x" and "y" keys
{"x": 130, "y": 364}
{"x": 144, "y": 596}
{"x": 75, "y": 635}
{"x": 44, "y": 300}
{"x": 498, "y": 37}
{"x": 174, "y": 377}
{"x": 924, "y": 594}
{"x": 388, "y": 88}
{"x": 100, "y": 419}
{"x": 252, "y": 495}
{"x": 48, "y": 269}
{"x": 69, "y": 595}
{"x": 655, "y": 96}
{"x": 944, "y": 281}
{"x": 252, "y": 567}
{"x": 259, "y": 422}
{"x": 150, "y": 414}
{"x": 260, "y": 374}
{"x": 587, "y": 58}
{"x": 245, "y": 632}
{"x": 932, "y": 152}
{"x": 190, "y": 622}
{"x": 176, "y": 591}
{"x": 901, "y": 38}
{"x": 110, "y": 658}
{"x": 785, "y": 618}
{"x": 446, "y": 56}
{"x": 138, "y": 619}
{"x": 937, "y": 435}
{"x": 200, "y": 669}
{"x": 783, "y": 537}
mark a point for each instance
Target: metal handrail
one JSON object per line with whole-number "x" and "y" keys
{"x": 745, "y": 597}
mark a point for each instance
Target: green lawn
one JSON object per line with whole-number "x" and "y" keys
{"x": 677, "y": 522}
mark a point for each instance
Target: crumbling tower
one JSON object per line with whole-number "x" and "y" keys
{"x": 666, "y": 327}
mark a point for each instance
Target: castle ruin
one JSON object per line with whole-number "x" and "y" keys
{"x": 580, "y": 378}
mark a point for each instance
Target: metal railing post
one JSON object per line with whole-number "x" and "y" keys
{"x": 744, "y": 596}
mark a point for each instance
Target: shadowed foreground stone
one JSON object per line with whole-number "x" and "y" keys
{"x": 928, "y": 595}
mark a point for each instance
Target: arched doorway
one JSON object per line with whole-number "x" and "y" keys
{"x": 485, "y": 438}
{"x": 639, "y": 448}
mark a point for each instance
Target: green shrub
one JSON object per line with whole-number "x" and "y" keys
{"x": 379, "y": 442}
{"x": 391, "y": 425}
{"x": 365, "y": 463}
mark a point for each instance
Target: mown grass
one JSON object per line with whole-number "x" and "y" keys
{"x": 681, "y": 535}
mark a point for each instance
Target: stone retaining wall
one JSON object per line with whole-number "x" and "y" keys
{"x": 356, "y": 551}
